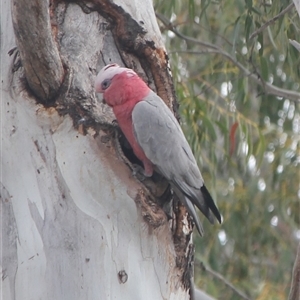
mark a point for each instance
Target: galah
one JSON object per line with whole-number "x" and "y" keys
{"x": 156, "y": 137}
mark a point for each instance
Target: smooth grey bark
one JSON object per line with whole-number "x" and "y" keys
{"x": 75, "y": 223}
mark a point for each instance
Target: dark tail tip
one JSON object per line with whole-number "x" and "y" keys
{"x": 210, "y": 203}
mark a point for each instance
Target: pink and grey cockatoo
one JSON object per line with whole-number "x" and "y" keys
{"x": 156, "y": 137}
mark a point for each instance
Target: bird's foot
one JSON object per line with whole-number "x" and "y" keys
{"x": 115, "y": 123}
{"x": 139, "y": 173}
{"x": 16, "y": 59}
{"x": 11, "y": 51}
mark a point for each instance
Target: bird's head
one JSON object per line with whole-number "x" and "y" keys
{"x": 119, "y": 85}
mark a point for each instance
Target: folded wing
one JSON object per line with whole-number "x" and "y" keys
{"x": 161, "y": 138}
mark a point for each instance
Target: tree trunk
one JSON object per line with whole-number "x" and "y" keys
{"x": 75, "y": 223}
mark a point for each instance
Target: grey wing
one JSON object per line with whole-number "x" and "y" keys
{"x": 161, "y": 138}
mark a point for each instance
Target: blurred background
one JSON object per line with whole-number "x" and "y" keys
{"x": 226, "y": 58}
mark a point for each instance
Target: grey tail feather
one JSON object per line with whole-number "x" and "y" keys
{"x": 191, "y": 209}
{"x": 210, "y": 203}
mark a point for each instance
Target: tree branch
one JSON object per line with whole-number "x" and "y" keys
{"x": 38, "y": 51}
{"x": 210, "y": 48}
{"x": 170, "y": 26}
{"x": 295, "y": 286}
{"x": 223, "y": 279}
{"x": 297, "y": 5}
{"x": 271, "y": 21}
{"x": 295, "y": 44}
{"x": 200, "y": 295}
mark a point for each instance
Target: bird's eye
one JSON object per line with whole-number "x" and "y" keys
{"x": 105, "y": 84}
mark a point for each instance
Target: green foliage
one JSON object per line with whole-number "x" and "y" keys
{"x": 245, "y": 139}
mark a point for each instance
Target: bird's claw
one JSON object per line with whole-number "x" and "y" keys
{"x": 115, "y": 123}
{"x": 11, "y": 51}
{"x": 138, "y": 172}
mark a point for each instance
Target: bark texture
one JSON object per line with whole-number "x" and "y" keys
{"x": 75, "y": 223}
{"x": 38, "y": 51}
